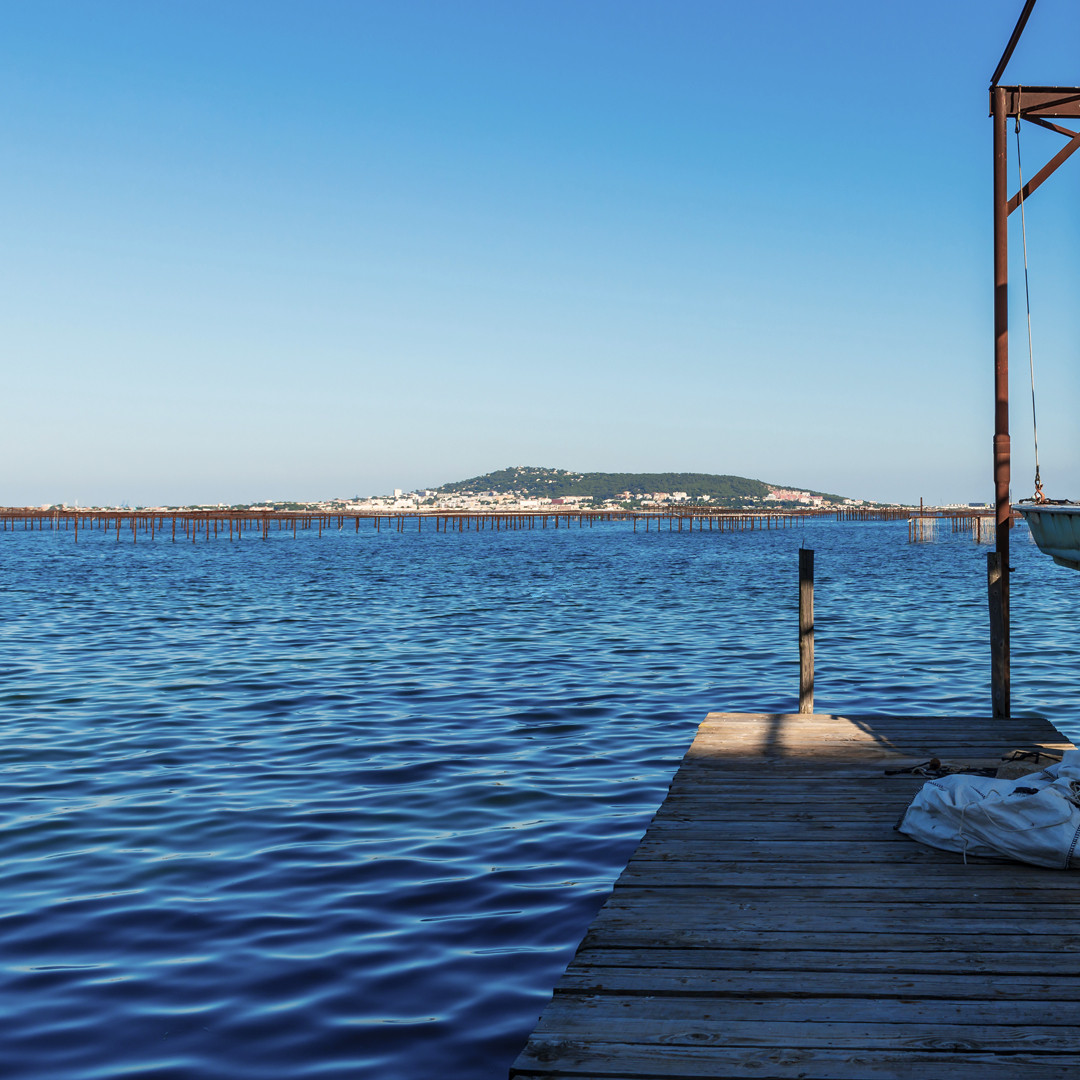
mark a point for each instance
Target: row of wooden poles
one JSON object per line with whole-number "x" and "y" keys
{"x": 193, "y": 524}
{"x": 922, "y": 525}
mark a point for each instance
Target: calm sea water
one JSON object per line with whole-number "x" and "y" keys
{"x": 343, "y": 806}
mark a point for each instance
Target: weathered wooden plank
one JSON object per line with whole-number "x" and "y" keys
{"x": 750, "y": 786}
{"x": 811, "y": 825}
{"x": 766, "y": 801}
{"x": 668, "y": 1025}
{"x": 583, "y": 1059}
{"x": 782, "y": 789}
{"x": 719, "y": 834}
{"x": 735, "y": 751}
{"x": 676, "y": 883}
{"x": 736, "y": 743}
{"x": 709, "y": 750}
{"x": 623, "y": 934}
{"x": 763, "y": 803}
{"x": 729, "y": 1034}
{"x": 862, "y": 994}
{"x": 887, "y": 724}
{"x": 879, "y": 721}
{"x": 787, "y": 771}
{"x": 695, "y": 926}
{"x": 748, "y": 963}
{"x": 792, "y": 814}
{"x": 681, "y": 810}
{"x": 664, "y": 915}
{"x": 767, "y": 875}
{"x": 762, "y": 877}
{"x": 883, "y": 850}
{"x": 816, "y": 789}
{"x": 883, "y": 904}
{"x": 885, "y": 727}
{"x": 675, "y": 876}
{"x": 753, "y": 780}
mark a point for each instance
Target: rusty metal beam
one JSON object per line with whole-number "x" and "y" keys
{"x": 1030, "y": 102}
{"x": 1045, "y": 172}
{"x": 1006, "y": 56}
{"x": 1067, "y": 132}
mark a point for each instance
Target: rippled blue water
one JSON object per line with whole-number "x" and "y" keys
{"x": 343, "y": 806}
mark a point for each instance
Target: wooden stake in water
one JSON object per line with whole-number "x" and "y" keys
{"x": 806, "y": 630}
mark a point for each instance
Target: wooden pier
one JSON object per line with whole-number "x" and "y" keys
{"x": 772, "y": 924}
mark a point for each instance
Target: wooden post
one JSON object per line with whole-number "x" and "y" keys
{"x": 999, "y": 666}
{"x": 806, "y": 630}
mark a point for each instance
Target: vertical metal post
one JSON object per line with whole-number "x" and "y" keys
{"x": 1003, "y": 507}
{"x": 806, "y": 630}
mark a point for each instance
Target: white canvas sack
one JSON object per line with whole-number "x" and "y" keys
{"x": 1035, "y": 819}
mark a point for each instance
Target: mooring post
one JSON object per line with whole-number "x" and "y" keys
{"x": 806, "y": 630}
{"x": 999, "y": 667}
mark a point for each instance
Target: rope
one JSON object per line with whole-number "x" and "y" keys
{"x": 1039, "y": 497}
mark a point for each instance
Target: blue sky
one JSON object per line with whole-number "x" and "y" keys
{"x": 285, "y": 250}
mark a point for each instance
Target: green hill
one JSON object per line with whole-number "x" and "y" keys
{"x": 536, "y": 482}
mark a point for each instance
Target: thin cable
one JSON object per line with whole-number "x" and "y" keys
{"x": 1039, "y": 496}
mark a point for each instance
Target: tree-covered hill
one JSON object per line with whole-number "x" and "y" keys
{"x": 534, "y": 481}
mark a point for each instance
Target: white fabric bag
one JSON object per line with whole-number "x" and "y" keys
{"x": 1035, "y": 819}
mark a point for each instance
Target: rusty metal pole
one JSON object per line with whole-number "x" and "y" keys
{"x": 999, "y": 607}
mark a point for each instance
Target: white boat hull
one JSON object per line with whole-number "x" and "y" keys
{"x": 1056, "y": 529}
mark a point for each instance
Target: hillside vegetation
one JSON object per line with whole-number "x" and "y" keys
{"x": 537, "y": 482}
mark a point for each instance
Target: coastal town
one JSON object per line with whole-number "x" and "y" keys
{"x": 516, "y": 501}
{"x": 423, "y": 499}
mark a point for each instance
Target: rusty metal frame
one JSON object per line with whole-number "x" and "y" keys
{"x": 1039, "y": 105}
{"x": 1044, "y": 173}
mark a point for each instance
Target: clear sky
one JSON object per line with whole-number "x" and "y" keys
{"x": 308, "y": 249}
